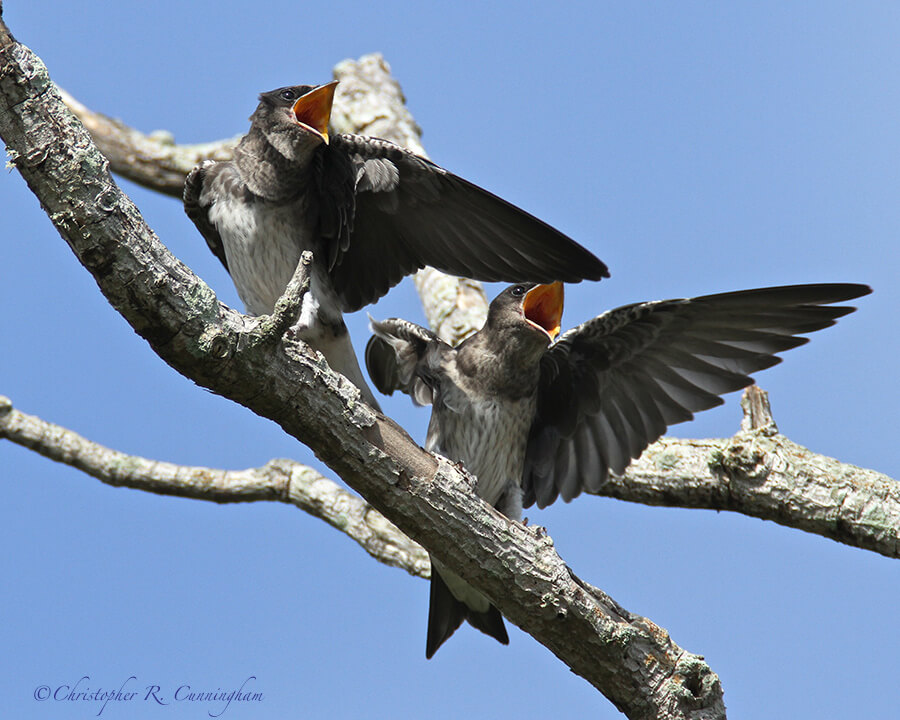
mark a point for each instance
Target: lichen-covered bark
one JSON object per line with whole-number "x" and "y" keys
{"x": 761, "y": 473}
{"x": 628, "y": 658}
{"x": 772, "y": 478}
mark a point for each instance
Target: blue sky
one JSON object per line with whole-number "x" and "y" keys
{"x": 696, "y": 148}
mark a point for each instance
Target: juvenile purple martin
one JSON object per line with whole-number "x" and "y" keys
{"x": 370, "y": 211}
{"x": 534, "y": 419}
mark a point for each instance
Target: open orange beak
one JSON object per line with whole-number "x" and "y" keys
{"x": 314, "y": 109}
{"x": 543, "y": 307}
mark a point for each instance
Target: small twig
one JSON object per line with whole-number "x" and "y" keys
{"x": 270, "y": 328}
{"x": 757, "y": 411}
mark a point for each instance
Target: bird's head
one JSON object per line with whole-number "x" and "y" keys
{"x": 528, "y": 310}
{"x": 295, "y": 119}
{"x": 505, "y": 354}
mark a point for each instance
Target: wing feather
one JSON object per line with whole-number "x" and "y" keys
{"x": 197, "y": 207}
{"x": 398, "y": 357}
{"x": 409, "y": 212}
{"x": 619, "y": 380}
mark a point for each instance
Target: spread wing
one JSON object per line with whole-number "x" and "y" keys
{"x": 197, "y": 206}
{"x": 408, "y": 213}
{"x": 400, "y": 355}
{"x": 612, "y": 386}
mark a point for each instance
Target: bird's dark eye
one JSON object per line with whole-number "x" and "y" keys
{"x": 518, "y": 290}
{"x": 288, "y": 95}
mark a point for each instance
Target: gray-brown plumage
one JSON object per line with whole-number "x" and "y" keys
{"x": 534, "y": 421}
{"x": 370, "y": 211}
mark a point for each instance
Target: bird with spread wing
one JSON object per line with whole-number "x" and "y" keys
{"x": 535, "y": 419}
{"x": 370, "y": 212}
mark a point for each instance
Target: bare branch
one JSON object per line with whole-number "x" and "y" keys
{"x": 369, "y": 101}
{"x": 153, "y": 160}
{"x": 455, "y": 307}
{"x": 279, "y": 480}
{"x": 763, "y": 474}
{"x": 754, "y": 473}
{"x": 633, "y": 662}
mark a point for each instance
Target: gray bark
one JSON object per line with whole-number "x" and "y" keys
{"x": 755, "y": 473}
{"x": 761, "y": 473}
{"x": 279, "y": 480}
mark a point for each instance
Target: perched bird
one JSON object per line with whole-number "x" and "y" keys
{"x": 534, "y": 419}
{"x": 370, "y": 211}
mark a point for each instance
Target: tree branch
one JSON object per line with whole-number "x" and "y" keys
{"x": 369, "y": 100}
{"x": 153, "y": 160}
{"x": 278, "y": 480}
{"x": 761, "y": 473}
{"x": 628, "y": 658}
{"x": 754, "y": 473}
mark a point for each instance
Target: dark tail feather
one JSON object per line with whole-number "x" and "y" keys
{"x": 490, "y": 623}
{"x": 446, "y": 613}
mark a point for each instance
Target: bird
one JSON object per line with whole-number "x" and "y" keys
{"x": 535, "y": 415}
{"x": 370, "y": 211}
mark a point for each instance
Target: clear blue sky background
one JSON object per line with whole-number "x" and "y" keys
{"x": 695, "y": 147}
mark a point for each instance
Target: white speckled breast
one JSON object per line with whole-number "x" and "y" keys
{"x": 489, "y": 438}
{"x": 262, "y": 243}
